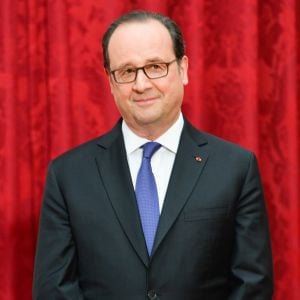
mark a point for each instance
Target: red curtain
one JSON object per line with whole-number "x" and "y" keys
{"x": 244, "y": 86}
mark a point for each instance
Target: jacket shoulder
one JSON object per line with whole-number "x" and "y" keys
{"x": 89, "y": 149}
{"x": 220, "y": 144}
{"x": 216, "y": 144}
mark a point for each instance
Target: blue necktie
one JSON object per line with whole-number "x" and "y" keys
{"x": 146, "y": 194}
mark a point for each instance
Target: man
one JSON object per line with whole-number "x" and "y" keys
{"x": 111, "y": 230}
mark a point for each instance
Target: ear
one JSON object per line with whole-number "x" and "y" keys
{"x": 110, "y": 80}
{"x": 184, "y": 63}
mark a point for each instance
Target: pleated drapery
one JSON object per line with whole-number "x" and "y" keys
{"x": 244, "y": 85}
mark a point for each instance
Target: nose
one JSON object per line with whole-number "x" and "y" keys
{"x": 142, "y": 82}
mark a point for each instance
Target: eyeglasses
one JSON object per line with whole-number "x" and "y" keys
{"x": 152, "y": 71}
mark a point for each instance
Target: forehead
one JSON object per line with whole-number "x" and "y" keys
{"x": 139, "y": 42}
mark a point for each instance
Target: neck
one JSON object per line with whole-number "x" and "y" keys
{"x": 150, "y": 134}
{"x": 151, "y": 131}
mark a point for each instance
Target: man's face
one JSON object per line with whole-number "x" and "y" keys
{"x": 147, "y": 103}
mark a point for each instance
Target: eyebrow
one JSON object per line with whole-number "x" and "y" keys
{"x": 148, "y": 61}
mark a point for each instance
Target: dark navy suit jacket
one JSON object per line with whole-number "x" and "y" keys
{"x": 212, "y": 240}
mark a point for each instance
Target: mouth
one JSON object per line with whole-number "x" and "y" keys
{"x": 146, "y": 100}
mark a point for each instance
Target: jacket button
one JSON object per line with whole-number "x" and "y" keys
{"x": 152, "y": 295}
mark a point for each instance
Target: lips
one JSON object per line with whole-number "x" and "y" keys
{"x": 147, "y": 100}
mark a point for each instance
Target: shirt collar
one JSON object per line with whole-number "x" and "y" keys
{"x": 169, "y": 140}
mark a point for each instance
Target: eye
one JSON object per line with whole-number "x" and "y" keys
{"x": 127, "y": 71}
{"x": 155, "y": 67}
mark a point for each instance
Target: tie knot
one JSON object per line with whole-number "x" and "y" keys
{"x": 150, "y": 148}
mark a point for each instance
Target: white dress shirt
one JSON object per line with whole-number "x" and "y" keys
{"x": 162, "y": 160}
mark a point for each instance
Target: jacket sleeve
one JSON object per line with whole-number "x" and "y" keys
{"x": 55, "y": 274}
{"x": 251, "y": 266}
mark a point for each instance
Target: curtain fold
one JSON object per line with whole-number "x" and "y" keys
{"x": 244, "y": 85}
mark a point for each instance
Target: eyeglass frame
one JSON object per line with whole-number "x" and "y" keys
{"x": 112, "y": 72}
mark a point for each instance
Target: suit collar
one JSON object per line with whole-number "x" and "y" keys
{"x": 115, "y": 175}
{"x": 107, "y": 139}
{"x": 190, "y": 160}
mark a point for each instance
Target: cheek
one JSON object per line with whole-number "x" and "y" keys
{"x": 122, "y": 101}
{"x": 175, "y": 90}
{"x": 120, "y": 94}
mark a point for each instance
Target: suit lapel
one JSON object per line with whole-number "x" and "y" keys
{"x": 115, "y": 175}
{"x": 190, "y": 160}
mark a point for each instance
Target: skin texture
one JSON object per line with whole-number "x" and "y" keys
{"x": 148, "y": 106}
